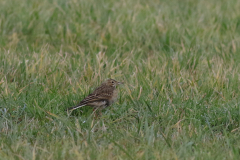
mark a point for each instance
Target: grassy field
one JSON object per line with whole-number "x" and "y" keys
{"x": 180, "y": 61}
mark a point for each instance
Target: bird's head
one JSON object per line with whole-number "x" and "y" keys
{"x": 112, "y": 82}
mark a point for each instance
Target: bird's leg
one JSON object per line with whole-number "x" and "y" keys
{"x": 95, "y": 112}
{"x": 100, "y": 112}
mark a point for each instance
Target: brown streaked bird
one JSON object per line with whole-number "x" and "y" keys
{"x": 102, "y": 97}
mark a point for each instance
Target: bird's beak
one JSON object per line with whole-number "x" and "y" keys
{"x": 120, "y": 82}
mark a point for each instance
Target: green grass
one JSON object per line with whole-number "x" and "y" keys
{"x": 179, "y": 60}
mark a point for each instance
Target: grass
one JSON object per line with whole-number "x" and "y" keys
{"x": 179, "y": 60}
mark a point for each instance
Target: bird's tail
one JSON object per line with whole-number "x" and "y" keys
{"x": 75, "y": 107}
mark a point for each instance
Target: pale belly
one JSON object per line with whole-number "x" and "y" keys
{"x": 114, "y": 97}
{"x": 105, "y": 103}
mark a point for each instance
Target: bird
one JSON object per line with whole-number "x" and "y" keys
{"x": 103, "y": 96}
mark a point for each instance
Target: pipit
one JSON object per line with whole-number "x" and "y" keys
{"x": 102, "y": 97}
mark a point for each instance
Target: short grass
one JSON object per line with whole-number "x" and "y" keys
{"x": 180, "y": 61}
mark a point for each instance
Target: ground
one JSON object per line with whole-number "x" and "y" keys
{"x": 180, "y": 61}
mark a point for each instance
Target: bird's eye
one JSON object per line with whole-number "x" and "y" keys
{"x": 112, "y": 82}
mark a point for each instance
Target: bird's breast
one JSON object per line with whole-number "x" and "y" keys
{"x": 114, "y": 97}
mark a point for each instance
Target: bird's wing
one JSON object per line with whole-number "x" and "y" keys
{"x": 91, "y": 98}
{"x": 103, "y": 91}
